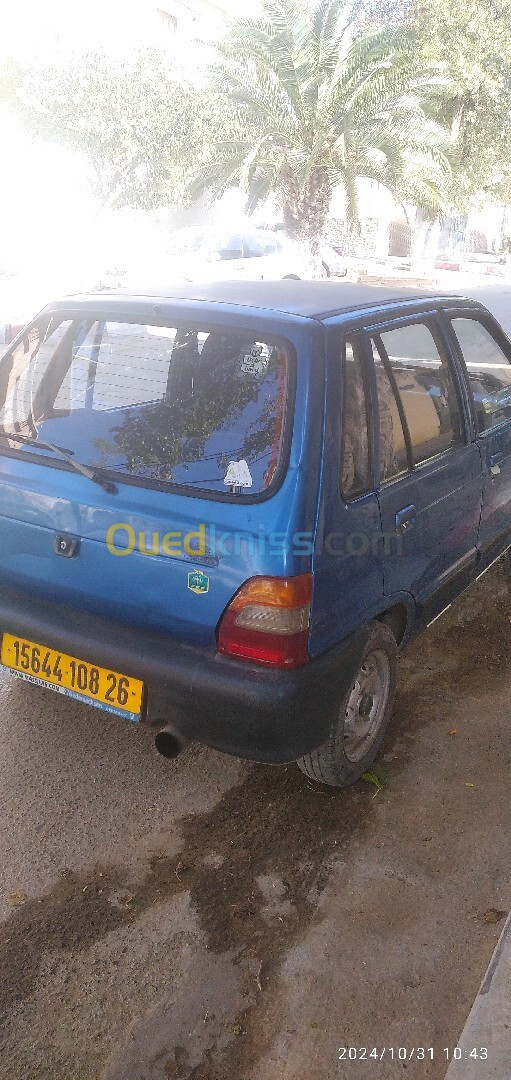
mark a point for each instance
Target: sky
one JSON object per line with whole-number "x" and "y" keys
{"x": 50, "y": 231}
{"x": 41, "y": 26}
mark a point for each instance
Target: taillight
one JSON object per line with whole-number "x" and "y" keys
{"x": 268, "y": 621}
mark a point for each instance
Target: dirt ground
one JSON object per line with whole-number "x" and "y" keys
{"x": 207, "y": 919}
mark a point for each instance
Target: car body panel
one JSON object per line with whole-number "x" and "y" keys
{"x": 102, "y": 603}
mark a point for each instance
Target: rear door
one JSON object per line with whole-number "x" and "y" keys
{"x": 348, "y": 556}
{"x": 430, "y": 478}
{"x": 486, "y": 354}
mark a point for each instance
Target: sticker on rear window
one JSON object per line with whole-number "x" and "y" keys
{"x": 238, "y": 475}
{"x": 254, "y": 362}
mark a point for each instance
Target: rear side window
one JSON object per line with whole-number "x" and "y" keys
{"x": 355, "y": 468}
{"x": 259, "y": 244}
{"x": 394, "y": 459}
{"x": 489, "y": 372}
{"x": 230, "y": 246}
{"x": 419, "y": 409}
{"x": 169, "y": 405}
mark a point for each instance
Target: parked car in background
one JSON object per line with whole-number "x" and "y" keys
{"x": 333, "y": 260}
{"x": 209, "y": 254}
{"x": 223, "y": 508}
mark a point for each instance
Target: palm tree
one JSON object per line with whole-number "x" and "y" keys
{"x": 313, "y": 106}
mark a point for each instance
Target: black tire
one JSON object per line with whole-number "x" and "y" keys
{"x": 337, "y": 761}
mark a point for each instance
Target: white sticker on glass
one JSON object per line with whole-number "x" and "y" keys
{"x": 255, "y": 362}
{"x": 238, "y": 475}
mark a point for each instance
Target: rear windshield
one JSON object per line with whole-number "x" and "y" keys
{"x": 200, "y": 409}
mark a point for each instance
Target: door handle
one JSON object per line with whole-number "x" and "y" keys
{"x": 406, "y": 519}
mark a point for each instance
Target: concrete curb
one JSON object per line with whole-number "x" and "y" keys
{"x": 489, "y": 1021}
{"x": 399, "y": 282}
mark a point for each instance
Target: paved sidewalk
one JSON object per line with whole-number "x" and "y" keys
{"x": 444, "y": 277}
{"x": 489, "y": 1022}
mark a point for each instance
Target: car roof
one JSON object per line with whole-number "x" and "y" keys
{"x": 306, "y": 299}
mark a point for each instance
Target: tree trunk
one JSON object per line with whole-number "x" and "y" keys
{"x": 305, "y": 210}
{"x": 419, "y": 239}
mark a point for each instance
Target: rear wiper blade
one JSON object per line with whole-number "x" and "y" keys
{"x": 36, "y": 442}
{"x": 67, "y": 455}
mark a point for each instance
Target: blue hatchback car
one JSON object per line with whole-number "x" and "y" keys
{"x": 224, "y": 509}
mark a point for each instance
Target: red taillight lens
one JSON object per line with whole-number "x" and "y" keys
{"x": 268, "y": 621}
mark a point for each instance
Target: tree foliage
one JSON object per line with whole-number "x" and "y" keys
{"x": 318, "y": 106}
{"x": 140, "y": 127}
{"x": 8, "y": 80}
{"x": 473, "y": 40}
{"x": 309, "y": 96}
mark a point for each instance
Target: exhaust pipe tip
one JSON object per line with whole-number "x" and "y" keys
{"x": 169, "y": 742}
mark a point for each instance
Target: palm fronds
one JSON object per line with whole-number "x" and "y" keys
{"x": 313, "y": 106}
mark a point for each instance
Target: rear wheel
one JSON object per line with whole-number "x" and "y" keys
{"x": 364, "y": 713}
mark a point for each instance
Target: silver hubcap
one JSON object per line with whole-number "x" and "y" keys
{"x": 366, "y": 705}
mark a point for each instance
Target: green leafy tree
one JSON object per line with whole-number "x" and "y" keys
{"x": 473, "y": 40}
{"x": 318, "y": 106}
{"x": 8, "y": 80}
{"x": 139, "y": 126}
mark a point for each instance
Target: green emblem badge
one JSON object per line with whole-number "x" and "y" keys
{"x": 198, "y": 582}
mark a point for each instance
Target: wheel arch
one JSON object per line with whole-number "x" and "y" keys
{"x": 400, "y": 619}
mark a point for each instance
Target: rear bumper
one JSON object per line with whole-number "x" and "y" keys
{"x": 240, "y": 708}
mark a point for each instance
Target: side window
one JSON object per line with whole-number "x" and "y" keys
{"x": 489, "y": 372}
{"x": 394, "y": 460}
{"x": 259, "y": 244}
{"x": 230, "y": 247}
{"x": 355, "y": 459}
{"x": 428, "y": 418}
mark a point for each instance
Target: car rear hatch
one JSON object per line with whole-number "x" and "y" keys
{"x": 191, "y": 426}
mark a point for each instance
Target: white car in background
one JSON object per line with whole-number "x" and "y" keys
{"x": 250, "y": 253}
{"x": 333, "y": 260}
{"x": 209, "y": 254}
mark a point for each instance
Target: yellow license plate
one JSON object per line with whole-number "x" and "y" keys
{"x": 73, "y": 677}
